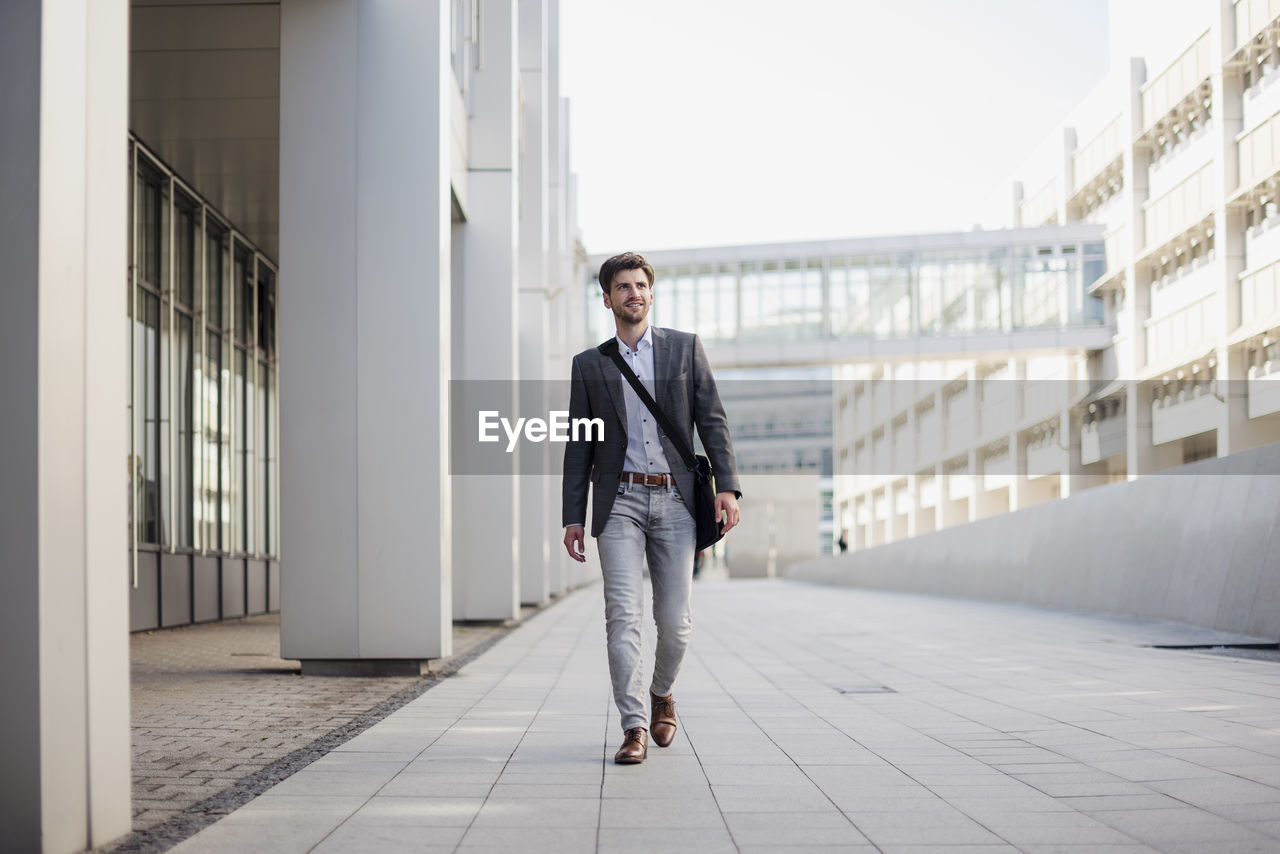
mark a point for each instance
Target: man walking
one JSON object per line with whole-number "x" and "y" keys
{"x": 641, "y": 504}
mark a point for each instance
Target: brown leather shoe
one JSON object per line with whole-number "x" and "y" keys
{"x": 663, "y": 719}
{"x": 634, "y": 748}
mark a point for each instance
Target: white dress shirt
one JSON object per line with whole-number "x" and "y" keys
{"x": 644, "y": 450}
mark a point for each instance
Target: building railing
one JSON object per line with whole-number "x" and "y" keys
{"x": 1092, "y": 158}
{"x": 1264, "y": 389}
{"x": 1188, "y": 284}
{"x": 1259, "y": 152}
{"x": 1165, "y": 92}
{"x": 1183, "y": 157}
{"x": 1260, "y": 294}
{"x": 1102, "y": 438}
{"x": 1179, "y": 209}
{"x": 1186, "y": 412}
{"x": 1252, "y": 16}
{"x": 1188, "y": 328}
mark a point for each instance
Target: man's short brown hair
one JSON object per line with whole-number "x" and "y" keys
{"x": 618, "y": 263}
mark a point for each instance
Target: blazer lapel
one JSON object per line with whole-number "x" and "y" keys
{"x": 613, "y": 381}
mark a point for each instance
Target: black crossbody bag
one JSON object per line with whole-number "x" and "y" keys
{"x": 704, "y": 496}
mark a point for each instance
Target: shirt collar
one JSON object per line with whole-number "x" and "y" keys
{"x": 646, "y": 340}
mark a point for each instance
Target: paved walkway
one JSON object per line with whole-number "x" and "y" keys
{"x": 214, "y": 704}
{"x": 812, "y": 718}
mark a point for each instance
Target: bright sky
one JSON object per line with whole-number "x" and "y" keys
{"x": 705, "y": 122}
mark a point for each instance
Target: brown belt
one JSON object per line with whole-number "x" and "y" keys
{"x": 646, "y": 479}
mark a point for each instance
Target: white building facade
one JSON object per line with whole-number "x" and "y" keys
{"x": 1178, "y": 168}
{"x": 1181, "y": 166}
{"x": 251, "y": 248}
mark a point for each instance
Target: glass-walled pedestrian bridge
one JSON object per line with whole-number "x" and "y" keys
{"x": 930, "y": 296}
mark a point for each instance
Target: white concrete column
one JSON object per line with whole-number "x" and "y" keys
{"x": 487, "y": 508}
{"x": 64, "y": 368}
{"x": 365, "y": 330}
{"x": 1133, "y": 197}
{"x": 562, "y": 321}
{"x": 536, "y": 522}
{"x": 1141, "y": 456}
{"x": 1235, "y": 432}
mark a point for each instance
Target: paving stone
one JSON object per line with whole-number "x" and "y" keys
{"x": 504, "y": 840}
{"x": 360, "y": 837}
{"x": 647, "y": 840}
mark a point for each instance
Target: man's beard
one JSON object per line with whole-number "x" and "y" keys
{"x": 622, "y": 312}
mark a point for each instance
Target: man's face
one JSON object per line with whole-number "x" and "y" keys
{"x": 630, "y": 296}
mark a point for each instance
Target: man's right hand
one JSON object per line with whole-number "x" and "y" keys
{"x": 574, "y": 542}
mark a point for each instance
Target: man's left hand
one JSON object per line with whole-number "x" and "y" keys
{"x": 727, "y": 509}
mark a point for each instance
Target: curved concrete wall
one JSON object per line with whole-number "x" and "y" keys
{"x": 1199, "y": 544}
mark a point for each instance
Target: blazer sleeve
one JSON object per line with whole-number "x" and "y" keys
{"x": 577, "y": 455}
{"x": 713, "y": 427}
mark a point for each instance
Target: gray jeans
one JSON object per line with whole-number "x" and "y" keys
{"x": 645, "y": 521}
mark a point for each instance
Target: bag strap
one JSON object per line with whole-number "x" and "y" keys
{"x": 686, "y": 454}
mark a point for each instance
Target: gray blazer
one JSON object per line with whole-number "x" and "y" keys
{"x": 686, "y": 392}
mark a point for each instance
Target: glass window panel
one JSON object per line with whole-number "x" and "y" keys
{"x": 708, "y": 304}
{"x": 900, "y": 292}
{"x": 263, "y": 479}
{"x": 665, "y": 298}
{"x": 959, "y": 283}
{"x": 215, "y": 273}
{"x": 727, "y": 302}
{"x": 234, "y": 307}
{"x": 186, "y": 243}
{"x": 659, "y": 312}
{"x": 859, "y": 297}
{"x": 266, "y": 457}
{"x": 199, "y": 478}
{"x": 243, "y": 297}
{"x": 164, "y": 460}
{"x": 150, "y": 232}
{"x": 685, "y": 306}
{"x": 838, "y": 289}
{"x": 883, "y": 296}
{"x": 930, "y": 291}
{"x": 146, "y": 425}
{"x": 266, "y": 312}
{"x": 226, "y": 493}
{"x": 770, "y": 299}
{"x": 211, "y": 444}
{"x": 1042, "y": 280}
{"x": 186, "y": 440}
{"x": 751, "y": 300}
{"x": 245, "y": 471}
{"x": 599, "y": 319}
{"x": 792, "y": 316}
{"x": 813, "y": 298}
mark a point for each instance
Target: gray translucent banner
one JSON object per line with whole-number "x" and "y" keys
{"x": 884, "y": 428}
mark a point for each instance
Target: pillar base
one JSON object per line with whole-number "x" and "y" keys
{"x": 366, "y": 666}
